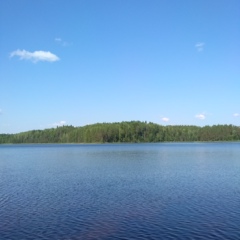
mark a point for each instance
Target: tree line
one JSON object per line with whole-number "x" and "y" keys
{"x": 125, "y": 132}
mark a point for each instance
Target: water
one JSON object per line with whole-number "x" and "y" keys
{"x": 120, "y": 191}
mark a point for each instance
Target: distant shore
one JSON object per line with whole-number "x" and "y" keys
{"x": 125, "y": 132}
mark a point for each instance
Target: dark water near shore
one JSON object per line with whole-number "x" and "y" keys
{"x": 120, "y": 191}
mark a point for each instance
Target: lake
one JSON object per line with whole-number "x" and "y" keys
{"x": 120, "y": 191}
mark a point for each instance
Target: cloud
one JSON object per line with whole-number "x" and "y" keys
{"x": 0, "y": 111}
{"x": 35, "y": 56}
{"x": 200, "y": 116}
{"x": 165, "y": 119}
{"x": 199, "y": 46}
{"x": 59, "y": 124}
{"x": 236, "y": 114}
{"x": 58, "y": 39}
{"x": 62, "y": 42}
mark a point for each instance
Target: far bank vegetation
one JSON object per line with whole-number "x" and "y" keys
{"x": 125, "y": 132}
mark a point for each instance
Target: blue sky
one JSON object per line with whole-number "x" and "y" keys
{"x": 79, "y": 62}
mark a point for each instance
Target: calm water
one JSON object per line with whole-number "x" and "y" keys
{"x": 120, "y": 191}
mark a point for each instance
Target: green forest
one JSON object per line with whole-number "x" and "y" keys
{"x": 125, "y": 132}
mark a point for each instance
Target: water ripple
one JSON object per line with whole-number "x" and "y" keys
{"x": 159, "y": 193}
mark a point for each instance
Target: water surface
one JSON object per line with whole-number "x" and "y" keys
{"x": 120, "y": 191}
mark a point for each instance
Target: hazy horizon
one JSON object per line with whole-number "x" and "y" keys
{"x": 69, "y": 125}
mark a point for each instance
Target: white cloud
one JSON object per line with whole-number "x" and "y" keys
{"x": 199, "y": 46}
{"x": 165, "y": 119}
{"x": 58, "y": 39}
{"x": 59, "y": 124}
{"x": 62, "y": 42}
{"x": 236, "y": 114}
{"x": 35, "y": 56}
{"x": 200, "y": 116}
{"x": 0, "y": 111}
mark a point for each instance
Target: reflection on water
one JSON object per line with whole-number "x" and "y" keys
{"x": 120, "y": 191}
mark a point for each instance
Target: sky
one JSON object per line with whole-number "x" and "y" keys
{"x": 79, "y": 62}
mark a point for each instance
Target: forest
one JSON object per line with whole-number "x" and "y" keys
{"x": 125, "y": 132}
